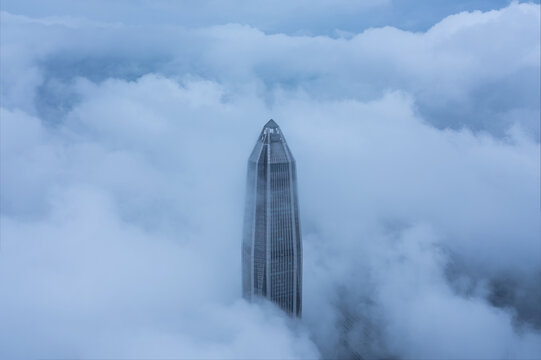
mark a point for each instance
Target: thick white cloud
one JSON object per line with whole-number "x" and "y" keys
{"x": 123, "y": 154}
{"x": 475, "y": 70}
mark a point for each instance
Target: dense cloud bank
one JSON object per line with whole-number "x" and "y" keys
{"x": 123, "y": 154}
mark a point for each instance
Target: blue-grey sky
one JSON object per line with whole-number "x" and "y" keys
{"x": 125, "y": 130}
{"x": 312, "y": 17}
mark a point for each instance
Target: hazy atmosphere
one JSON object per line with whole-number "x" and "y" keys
{"x": 125, "y": 130}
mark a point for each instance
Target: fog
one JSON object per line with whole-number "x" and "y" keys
{"x": 123, "y": 149}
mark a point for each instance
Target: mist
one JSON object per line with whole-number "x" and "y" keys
{"x": 124, "y": 142}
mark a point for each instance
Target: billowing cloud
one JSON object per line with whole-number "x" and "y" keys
{"x": 459, "y": 74}
{"x": 123, "y": 151}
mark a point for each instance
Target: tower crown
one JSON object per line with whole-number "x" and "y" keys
{"x": 271, "y": 124}
{"x": 271, "y": 133}
{"x": 272, "y": 140}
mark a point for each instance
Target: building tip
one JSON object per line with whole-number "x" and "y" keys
{"x": 271, "y": 124}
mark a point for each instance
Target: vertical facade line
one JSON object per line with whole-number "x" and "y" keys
{"x": 276, "y": 250}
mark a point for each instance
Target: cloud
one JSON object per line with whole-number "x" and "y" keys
{"x": 123, "y": 154}
{"x": 91, "y": 285}
{"x": 459, "y": 75}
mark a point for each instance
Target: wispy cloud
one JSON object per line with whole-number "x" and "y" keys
{"x": 123, "y": 154}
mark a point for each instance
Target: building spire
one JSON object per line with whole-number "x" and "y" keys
{"x": 271, "y": 133}
{"x": 271, "y": 124}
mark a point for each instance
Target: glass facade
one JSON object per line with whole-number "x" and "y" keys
{"x": 272, "y": 247}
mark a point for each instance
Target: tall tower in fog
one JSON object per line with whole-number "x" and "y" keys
{"x": 272, "y": 247}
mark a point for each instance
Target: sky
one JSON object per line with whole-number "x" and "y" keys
{"x": 125, "y": 129}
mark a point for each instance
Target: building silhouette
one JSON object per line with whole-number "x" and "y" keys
{"x": 272, "y": 247}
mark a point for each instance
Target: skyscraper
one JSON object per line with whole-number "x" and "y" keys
{"x": 272, "y": 247}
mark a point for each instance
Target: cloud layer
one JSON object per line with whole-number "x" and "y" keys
{"x": 123, "y": 154}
